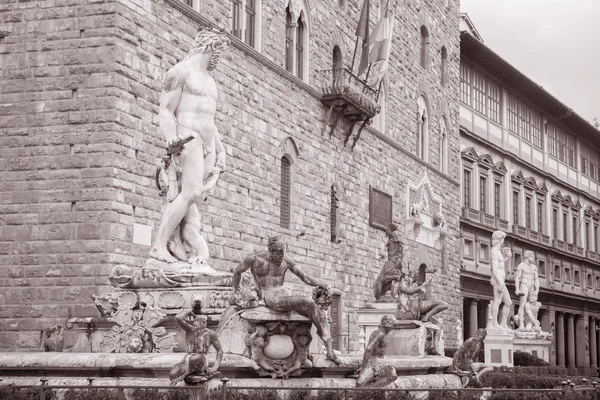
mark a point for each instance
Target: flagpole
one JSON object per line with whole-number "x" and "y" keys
{"x": 353, "y": 58}
{"x": 367, "y": 76}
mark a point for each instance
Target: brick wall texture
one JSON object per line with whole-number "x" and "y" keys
{"x": 80, "y": 141}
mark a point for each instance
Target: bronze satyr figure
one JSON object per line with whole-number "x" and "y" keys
{"x": 374, "y": 371}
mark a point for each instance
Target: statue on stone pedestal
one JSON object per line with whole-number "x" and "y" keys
{"x": 499, "y": 256}
{"x": 199, "y": 339}
{"x": 269, "y": 269}
{"x": 526, "y": 283}
{"x": 374, "y": 371}
{"x": 414, "y": 301}
{"x": 392, "y": 269}
{"x": 464, "y": 358}
{"x": 195, "y": 155}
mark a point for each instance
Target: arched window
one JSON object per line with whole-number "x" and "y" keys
{"x": 246, "y": 21}
{"x": 289, "y": 42}
{"x": 300, "y": 49}
{"x": 337, "y": 69}
{"x": 297, "y": 28}
{"x": 334, "y": 214}
{"x": 285, "y": 203}
{"x": 443, "y": 145}
{"x": 444, "y": 67}
{"x": 424, "y": 46}
{"x": 422, "y": 129}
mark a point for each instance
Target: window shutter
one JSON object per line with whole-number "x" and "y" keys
{"x": 284, "y": 216}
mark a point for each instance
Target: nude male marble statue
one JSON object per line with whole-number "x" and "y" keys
{"x": 269, "y": 269}
{"x": 526, "y": 283}
{"x": 499, "y": 256}
{"x": 188, "y": 105}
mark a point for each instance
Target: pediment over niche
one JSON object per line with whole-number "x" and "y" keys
{"x": 425, "y": 220}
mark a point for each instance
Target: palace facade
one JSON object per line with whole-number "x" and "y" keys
{"x": 529, "y": 167}
{"x": 80, "y": 144}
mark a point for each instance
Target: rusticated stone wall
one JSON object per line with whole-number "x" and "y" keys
{"x": 80, "y": 144}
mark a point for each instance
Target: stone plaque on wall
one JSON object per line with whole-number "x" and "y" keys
{"x": 380, "y": 209}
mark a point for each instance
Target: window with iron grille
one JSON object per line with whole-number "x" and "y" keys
{"x": 515, "y": 207}
{"x": 334, "y": 214}
{"x": 525, "y": 123}
{"x": 493, "y": 102}
{"x": 513, "y": 115}
{"x": 467, "y": 188}
{"x": 597, "y": 239}
{"x": 497, "y": 194}
{"x": 552, "y": 140}
{"x": 575, "y": 230}
{"x": 540, "y": 216}
{"x": 536, "y": 129}
{"x": 465, "y": 84}
{"x": 289, "y": 41}
{"x": 478, "y": 93}
{"x": 285, "y": 193}
{"x": 300, "y": 49}
{"x": 482, "y": 194}
{"x": 528, "y": 212}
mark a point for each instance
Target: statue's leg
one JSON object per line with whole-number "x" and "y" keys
{"x": 307, "y": 307}
{"x": 505, "y": 308}
{"x": 191, "y": 233}
{"x": 365, "y": 377}
{"x": 387, "y": 375}
{"x": 192, "y": 177}
{"x": 521, "y": 313}
{"x": 433, "y": 307}
{"x": 496, "y": 306}
{"x": 176, "y": 245}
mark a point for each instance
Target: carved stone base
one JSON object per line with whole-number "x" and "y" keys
{"x": 279, "y": 343}
{"x": 499, "y": 349}
{"x": 116, "y": 309}
{"x": 539, "y": 347}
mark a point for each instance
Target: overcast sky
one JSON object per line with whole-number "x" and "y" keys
{"x": 556, "y": 43}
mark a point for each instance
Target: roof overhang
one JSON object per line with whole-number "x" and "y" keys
{"x": 490, "y": 62}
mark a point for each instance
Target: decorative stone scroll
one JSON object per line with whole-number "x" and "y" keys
{"x": 135, "y": 330}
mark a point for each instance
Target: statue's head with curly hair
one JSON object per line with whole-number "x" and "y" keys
{"x": 276, "y": 250}
{"x": 209, "y": 39}
{"x": 387, "y": 321}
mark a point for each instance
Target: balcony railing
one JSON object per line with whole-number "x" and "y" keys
{"x": 470, "y": 213}
{"x": 545, "y": 239}
{"x": 351, "y": 97}
{"x": 520, "y": 230}
{"x": 488, "y": 220}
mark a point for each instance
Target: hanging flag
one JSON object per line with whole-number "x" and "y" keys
{"x": 380, "y": 43}
{"x": 362, "y": 31}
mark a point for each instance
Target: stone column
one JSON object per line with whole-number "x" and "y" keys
{"x": 571, "y": 344}
{"x": 560, "y": 339}
{"x": 545, "y": 320}
{"x": 593, "y": 347}
{"x": 293, "y": 28}
{"x": 552, "y": 329}
{"x": 473, "y": 324}
{"x": 582, "y": 344}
